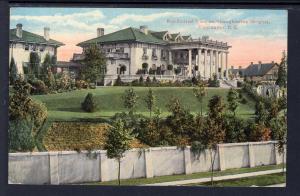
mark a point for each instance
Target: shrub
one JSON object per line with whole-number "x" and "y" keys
{"x": 234, "y": 129}
{"x": 239, "y": 84}
{"x": 38, "y": 87}
{"x": 79, "y": 136}
{"x": 89, "y": 104}
{"x": 118, "y": 81}
{"x": 81, "y": 84}
{"x": 170, "y": 67}
{"x": 148, "y": 81}
{"x": 214, "y": 82}
{"x": 20, "y": 136}
{"x": 141, "y": 80}
{"x": 244, "y": 101}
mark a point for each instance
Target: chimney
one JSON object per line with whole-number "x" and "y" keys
{"x": 259, "y": 65}
{"x": 232, "y": 67}
{"x": 251, "y": 63}
{"x": 144, "y": 29}
{"x": 19, "y": 30}
{"x": 240, "y": 67}
{"x": 100, "y": 32}
{"x": 46, "y": 33}
{"x": 272, "y": 62}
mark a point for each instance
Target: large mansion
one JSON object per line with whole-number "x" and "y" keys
{"x": 22, "y": 43}
{"x": 129, "y": 51}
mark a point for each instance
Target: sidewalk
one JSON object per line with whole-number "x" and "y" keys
{"x": 217, "y": 178}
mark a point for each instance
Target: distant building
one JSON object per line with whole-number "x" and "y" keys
{"x": 22, "y": 43}
{"x": 270, "y": 90}
{"x": 261, "y": 71}
{"x": 127, "y": 49}
{"x": 236, "y": 73}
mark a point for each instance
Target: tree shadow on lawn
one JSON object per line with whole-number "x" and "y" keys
{"x": 70, "y": 110}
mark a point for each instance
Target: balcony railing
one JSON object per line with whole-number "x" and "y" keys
{"x": 116, "y": 55}
{"x": 154, "y": 57}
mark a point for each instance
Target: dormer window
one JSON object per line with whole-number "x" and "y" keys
{"x": 26, "y": 47}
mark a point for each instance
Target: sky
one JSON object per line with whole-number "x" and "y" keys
{"x": 255, "y": 35}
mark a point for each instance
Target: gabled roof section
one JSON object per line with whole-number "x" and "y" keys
{"x": 29, "y": 37}
{"x": 258, "y": 69}
{"x": 186, "y": 37}
{"x": 125, "y": 35}
{"x": 159, "y": 34}
{"x": 174, "y": 36}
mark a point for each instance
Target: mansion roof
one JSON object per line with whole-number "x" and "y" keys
{"x": 135, "y": 35}
{"x": 28, "y": 37}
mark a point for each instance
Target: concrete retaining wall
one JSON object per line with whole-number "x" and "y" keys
{"x": 71, "y": 167}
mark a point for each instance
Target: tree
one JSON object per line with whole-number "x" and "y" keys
{"x": 118, "y": 141}
{"x": 13, "y": 71}
{"x": 214, "y": 134}
{"x": 279, "y": 133}
{"x": 232, "y": 98}
{"x": 46, "y": 66}
{"x": 150, "y": 100}
{"x": 34, "y": 65}
{"x": 94, "y": 65}
{"x": 200, "y": 93}
{"x": 25, "y": 119}
{"x": 180, "y": 121}
{"x": 89, "y": 104}
{"x": 50, "y": 81}
{"x": 130, "y": 100}
{"x": 282, "y": 73}
{"x": 260, "y": 112}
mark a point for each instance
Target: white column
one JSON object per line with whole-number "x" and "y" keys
{"x": 222, "y": 64}
{"x": 205, "y": 59}
{"x": 190, "y": 63}
{"x": 170, "y": 57}
{"x": 211, "y": 63}
{"x": 217, "y": 63}
{"x": 199, "y": 62}
{"x": 226, "y": 64}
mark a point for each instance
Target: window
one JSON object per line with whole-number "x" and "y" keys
{"x": 112, "y": 62}
{"x": 154, "y": 52}
{"x": 144, "y": 51}
{"x": 26, "y": 47}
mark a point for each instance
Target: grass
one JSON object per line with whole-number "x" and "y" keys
{"x": 141, "y": 181}
{"x": 263, "y": 180}
{"x": 66, "y": 106}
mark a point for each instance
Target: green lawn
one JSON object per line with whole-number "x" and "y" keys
{"x": 66, "y": 106}
{"x": 263, "y": 180}
{"x": 141, "y": 181}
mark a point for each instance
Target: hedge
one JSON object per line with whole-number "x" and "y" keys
{"x": 78, "y": 136}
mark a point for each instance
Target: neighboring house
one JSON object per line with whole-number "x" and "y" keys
{"x": 127, "y": 49}
{"x": 22, "y": 43}
{"x": 69, "y": 67}
{"x": 236, "y": 73}
{"x": 261, "y": 71}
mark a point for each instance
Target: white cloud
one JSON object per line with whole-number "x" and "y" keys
{"x": 229, "y": 14}
{"x": 144, "y": 18}
{"x": 84, "y": 21}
